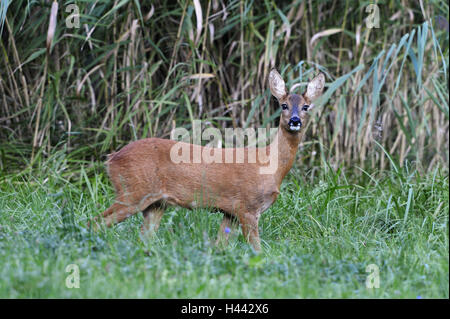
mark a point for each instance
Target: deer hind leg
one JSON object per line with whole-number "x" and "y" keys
{"x": 249, "y": 224}
{"x": 152, "y": 218}
{"x": 95, "y": 223}
{"x": 227, "y": 227}
{"x": 109, "y": 211}
{"x": 118, "y": 212}
{"x": 123, "y": 205}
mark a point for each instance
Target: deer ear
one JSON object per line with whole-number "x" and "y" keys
{"x": 315, "y": 88}
{"x": 277, "y": 85}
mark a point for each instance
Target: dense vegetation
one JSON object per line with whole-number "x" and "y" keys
{"x": 134, "y": 70}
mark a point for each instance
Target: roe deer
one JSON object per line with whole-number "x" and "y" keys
{"x": 146, "y": 179}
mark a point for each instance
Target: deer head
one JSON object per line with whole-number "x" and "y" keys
{"x": 294, "y": 107}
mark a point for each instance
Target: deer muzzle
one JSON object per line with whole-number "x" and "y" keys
{"x": 294, "y": 122}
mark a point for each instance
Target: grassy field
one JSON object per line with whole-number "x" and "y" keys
{"x": 318, "y": 240}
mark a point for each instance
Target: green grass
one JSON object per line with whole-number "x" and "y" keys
{"x": 318, "y": 239}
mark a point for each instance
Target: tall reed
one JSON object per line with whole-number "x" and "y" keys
{"x": 134, "y": 70}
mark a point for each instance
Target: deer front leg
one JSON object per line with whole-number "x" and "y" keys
{"x": 152, "y": 219}
{"x": 249, "y": 224}
{"x": 228, "y": 225}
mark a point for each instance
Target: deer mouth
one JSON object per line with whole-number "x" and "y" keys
{"x": 294, "y": 128}
{"x": 295, "y": 124}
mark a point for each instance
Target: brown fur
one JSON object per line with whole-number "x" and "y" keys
{"x": 145, "y": 179}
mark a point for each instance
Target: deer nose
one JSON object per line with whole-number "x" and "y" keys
{"x": 295, "y": 121}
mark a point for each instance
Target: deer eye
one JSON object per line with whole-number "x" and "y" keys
{"x": 284, "y": 106}
{"x": 305, "y": 107}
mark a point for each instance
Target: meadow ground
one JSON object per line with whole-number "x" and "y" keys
{"x": 319, "y": 239}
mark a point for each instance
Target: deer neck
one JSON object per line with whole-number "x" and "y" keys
{"x": 286, "y": 151}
